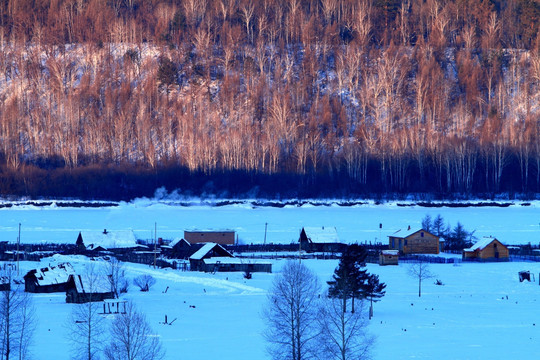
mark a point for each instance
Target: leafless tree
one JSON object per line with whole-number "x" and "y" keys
{"x": 144, "y": 282}
{"x": 116, "y": 274}
{"x": 292, "y": 313}
{"x": 85, "y": 325}
{"x": 421, "y": 271}
{"x": 132, "y": 338}
{"x": 17, "y": 321}
{"x": 343, "y": 333}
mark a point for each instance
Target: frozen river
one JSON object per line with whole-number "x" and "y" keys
{"x": 518, "y": 223}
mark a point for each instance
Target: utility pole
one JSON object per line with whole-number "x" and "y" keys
{"x": 265, "y": 227}
{"x": 155, "y": 243}
{"x": 18, "y": 244}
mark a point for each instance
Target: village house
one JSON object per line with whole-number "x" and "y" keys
{"x": 178, "y": 249}
{"x": 222, "y": 237}
{"x": 117, "y": 241}
{"x": 82, "y": 289}
{"x": 389, "y": 257}
{"x": 419, "y": 242}
{"x": 488, "y": 249}
{"x": 320, "y": 239}
{"x": 49, "y": 279}
{"x": 5, "y": 283}
{"x": 213, "y": 257}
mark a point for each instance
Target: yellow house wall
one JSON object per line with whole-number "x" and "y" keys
{"x": 416, "y": 244}
{"x": 489, "y": 251}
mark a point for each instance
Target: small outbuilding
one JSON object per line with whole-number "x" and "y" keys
{"x": 49, "y": 279}
{"x": 84, "y": 289}
{"x": 389, "y": 257}
{"x": 5, "y": 283}
{"x": 419, "y": 242}
{"x": 178, "y": 249}
{"x": 320, "y": 239}
{"x": 488, "y": 249}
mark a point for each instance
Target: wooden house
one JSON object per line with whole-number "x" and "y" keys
{"x": 209, "y": 250}
{"x": 118, "y": 241}
{"x": 82, "y": 289}
{"x": 221, "y": 237}
{"x": 419, "y": 242}
{"x": 49, "y": 279}
{"x": 389, "y": 257}
{"x": 320, "y": 239}
{"x": 178, "y": 249}
{"x": 488, "y": 249}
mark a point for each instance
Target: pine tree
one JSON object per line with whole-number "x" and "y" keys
{"x": 373, "y": 289}
{"x": 349, "y": 276}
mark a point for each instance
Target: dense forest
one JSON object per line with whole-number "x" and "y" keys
{"x": 115, "y": 98}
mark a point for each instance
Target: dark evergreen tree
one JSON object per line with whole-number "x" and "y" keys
{"x": 427, "y": 224}
{"x": 373, "y": 290}
{"x": 438, "y": 226}
{"x": 350, "y": 275}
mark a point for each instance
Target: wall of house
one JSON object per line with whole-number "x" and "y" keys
{"x": 218, "y": 237}
{"x": 489, "y": 251}
{"x": 418, "y": 244}
{"x": 388, "y": 259}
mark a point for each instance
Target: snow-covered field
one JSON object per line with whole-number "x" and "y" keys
{"x": 469, "y": 317}
{"x": 516, "y": 224}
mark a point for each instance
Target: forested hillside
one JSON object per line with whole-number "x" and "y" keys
{"x": 114, "y": 98}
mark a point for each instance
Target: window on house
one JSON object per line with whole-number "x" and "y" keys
{"x": 421, "y": 234}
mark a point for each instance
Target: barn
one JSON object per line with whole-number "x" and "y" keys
{"x": 82, "y": 289}
{"x": 49, "y": 279}
{"x": 213, "y": 257}
{"x": 320, "y": 239}
{"x": 488, "y": 249}
{"x": 419, "y": 242}
{"x": 222, "y": 237}
{"x": 178, "y": 249}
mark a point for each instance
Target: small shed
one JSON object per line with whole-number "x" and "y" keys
{"x": 320, "y": 239}
{"x": 49, "y": 279}
{"x": 83, "y": 289}
{"x": 222, "y": 237}
{"x": 5, "y": 283}
{"x": 389, "y": 257}
{"x": 488, "y": 249}
{"x": 209, "y": 250}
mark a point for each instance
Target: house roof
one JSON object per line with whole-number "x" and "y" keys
{"x": 481, "y": 245}
{"x": 53, "y": 274}
{"x": 411, "y": 234}
{"x": 390, "y": 252}
{"x": 207, "y": 248}
{"x": 177, "y": 241}
{"x": 91, "y": 284}
{"x": 109, "y": 239}
{"x": 322, "y": 235}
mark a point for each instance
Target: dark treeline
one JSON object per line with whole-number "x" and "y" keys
{"x": 115, "y": 98}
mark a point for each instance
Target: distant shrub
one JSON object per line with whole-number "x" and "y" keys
{"x": 144, "y": 282}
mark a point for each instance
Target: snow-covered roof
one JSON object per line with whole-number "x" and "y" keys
{"x": 109, "y": 239}
{"x": 232, "y": 260}
{"x": 201, "y": 253}
{"x": 178, "y": 240}
{"x": 390, "y": 252}
{"x": 322, "y": 234}
{"x": 53, "y": 274}
{"x": 480, "y": 245}
{"x": 91, "y": 284}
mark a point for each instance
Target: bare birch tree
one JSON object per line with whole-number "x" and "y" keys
{"x": 343, "y": 333}
{"x": 421, "y": 271}
{"x": 132, "y": 338}
{"x": 292, "y": 312}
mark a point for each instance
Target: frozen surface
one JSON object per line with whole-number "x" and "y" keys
{"x": 516, "y": 224}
